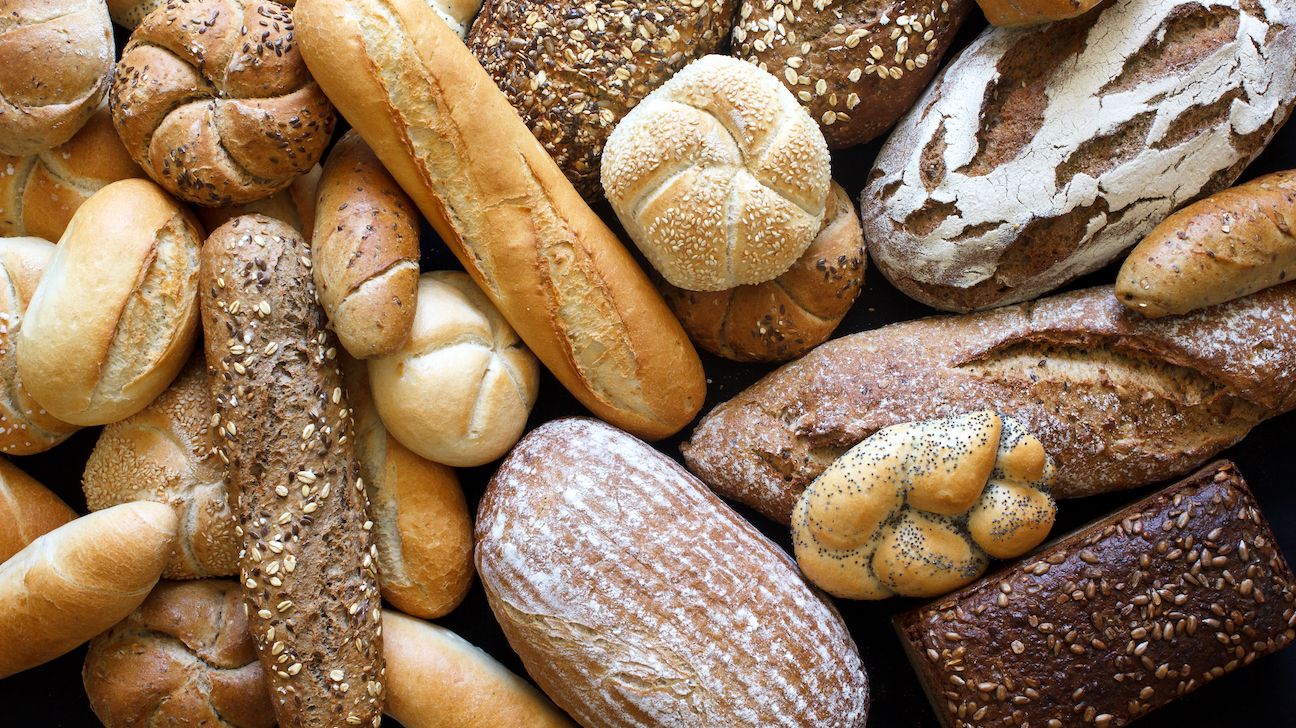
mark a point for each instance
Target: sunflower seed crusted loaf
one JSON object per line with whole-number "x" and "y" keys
{"x": 1040, "y": 154}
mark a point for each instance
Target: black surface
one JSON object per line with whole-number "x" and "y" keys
{"x": 1263, "y": 694}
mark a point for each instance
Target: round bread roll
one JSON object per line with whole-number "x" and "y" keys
{"x": 784, "y": 318}
{"x": 28, "y": 510}
{"x": 719, "y": 176}
{"x": 116, "y": 314}
{"x": 184, "y": 658}
{"x": 25, "y": 427}
{"x": 164, "y": 453}
{"x": 213, "y": 99}
{"x": 129, "y": 13}
{"x": 39, "y": 193}
{"x": 460, "y": 390}
{"x": 57, "y": 57}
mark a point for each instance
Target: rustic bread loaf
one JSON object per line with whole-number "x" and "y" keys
{"x": 1033, "y": 12}
{"x": 718, "y": 176}
{"x": 1042, "y": 154}
{"x": 1115, "y": 620}
{"x": 309, "y": 562}
{"x": 184, "y": 658}
{"x": 166, "y": 453}
{"x": 366, "y": 251}
{"x": 56, "y": 59}
{"x": 1118, "y": 400}
{"x": 627, "y": 589}
{"x": 1226, "y": 246}
{"x": 212, "y": 98}
{"x": 855, "y": 65}
{"x": 786, "y": 317}
{"x": 28, "y": 510}
{"x": 573, "y": 70}
{"x": 419, "y": 98}
{"x": 294, "y": 204}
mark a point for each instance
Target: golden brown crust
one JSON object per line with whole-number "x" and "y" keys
{"x": 1033, "y": 12}
{"x": 295, "y": 205}
{"x": 28, "y": 510}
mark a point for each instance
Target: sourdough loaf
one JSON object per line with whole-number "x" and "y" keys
{"x": 1041, "y": 154}
{"x": 1117, "y": 400}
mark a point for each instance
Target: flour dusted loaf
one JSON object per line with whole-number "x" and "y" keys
{"x": 1041, "y": 154}
{"x": 637, "y": 598}
{"x": 1118, "y": 400}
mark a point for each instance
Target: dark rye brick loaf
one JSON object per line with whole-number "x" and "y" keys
{"x": 1040, "y": 154}
{"x": 1115, "y": 620}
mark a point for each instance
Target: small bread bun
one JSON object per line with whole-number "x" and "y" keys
{"x": 129, "y": 13}
{"x": 719, "y": 176}
{"x": 915, "y": 509}
{"x": 164, "y": 453}
{"x": 116, "y": 313}
{"x": 184, "y": 658}
{"x": 460, "y": 389}
{"x": 28, "y": 510}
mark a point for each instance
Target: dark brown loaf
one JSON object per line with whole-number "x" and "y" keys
{"x": 309, "y": 563}
{"x": 855, "y": 65}
{"x": 1115, "y": 620}
{"x": 1117, "y": 400}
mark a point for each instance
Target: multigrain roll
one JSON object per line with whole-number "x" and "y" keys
{"x": 39, "y": 193}
{"x": 294, "y": 204}
{"x": 718, "y": 176}
{"x": 213, "y": 100}
{"x": 56, "y": 59}
{"x": 28, "y": 510}
{"x": 574, "y": 69}
{"x": 116, "y": 313}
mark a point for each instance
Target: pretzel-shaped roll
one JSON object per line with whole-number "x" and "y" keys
{"x": 916, "y": 508}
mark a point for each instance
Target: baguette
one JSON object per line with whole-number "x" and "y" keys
{"x": 78, "y": 580}
{"x": 1229, "y": 245}
{"x": 309, "y": 562}
{"x": 1118, "y": 401}
{"x": 28, "y": 510}
{"x": 450, "y": 138}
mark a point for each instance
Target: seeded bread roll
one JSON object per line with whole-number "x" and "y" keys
{"x": 718, "y": 176}
{"x": 1115, "y": 620}
{"x": 166, "y": 453}
{"x": 309, "y": 563}
{"x": 184, "y": 658}
{"x": 129, "y": 13}
{"x": 574, "y": 69}
{"x": 295, "y": 205}
{"x": 28, "y": 510}
{"x": 1033, "y": 12}
{"x": 786, "y": 317}
{"x": 855, "y": 65}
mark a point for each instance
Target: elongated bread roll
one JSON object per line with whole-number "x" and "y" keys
{"x": 552, "y": 267}
{"x": 28, "y": 510}
{"x": 78, "y": 580}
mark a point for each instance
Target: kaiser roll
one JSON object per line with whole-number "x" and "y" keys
{"x": 129, "y": 13}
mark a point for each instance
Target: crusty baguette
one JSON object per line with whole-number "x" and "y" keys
{"x": 1226, "y": 246}
{"x": 28, "y": 510}
{"x": 78, "y": 580}
{"x": 1118, "y": 400}
{"x": 552, "y": 267}
{"x": 309, "y": 564}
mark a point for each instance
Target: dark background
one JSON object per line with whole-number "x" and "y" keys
{"x": 1262, "y": 694}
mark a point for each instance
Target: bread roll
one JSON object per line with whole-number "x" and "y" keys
{"x": 78, "y": 580}
{"x": 27, "y": 510}
{"x": 25, "y": 427}
{"x": 1033, "y": 12}
{"x": 295, "y": 205}
{"x": 786, "y": 317}
{"x": 129, "y": 13}
{"x": 308, "y": 563}
{"x": 420, "y": 517}
{"x": 212, "y": 98}
{"x": 56, "y": 58}
{"x": 1229, "y": 245}
{"x": 461, "y": 387}
{"x": 166, "y": 453}
{"x": 39, "y": 193}
{"x": 635, "y": 597}
{"x": 366, "y": 251}
{"x": 421, "y": 101}
{"x": 115, "y": 314}
{"x": 719, "y": 176}
{"x": 184, "y": 658}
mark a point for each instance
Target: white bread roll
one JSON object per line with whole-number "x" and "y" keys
{"x": 719, "y": 176}
{"x": 78, "y": 580}
{"x": 28, "y": 510}
{"x": 116, "y": 313}
{"x": 461, "y": 387}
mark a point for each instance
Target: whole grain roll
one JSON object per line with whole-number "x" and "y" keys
{"x": 56, "y": 58}
{"x": 116, "y": 313}
{"x": 718, "y": 176}
{"x": 213, "y": 100}
{"x": 574, "y": 69}
{"x": 129, "y": 13}
{"x": 28, "y": 510}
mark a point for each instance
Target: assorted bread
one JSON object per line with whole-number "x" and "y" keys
{"x": 28, "y": 510}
